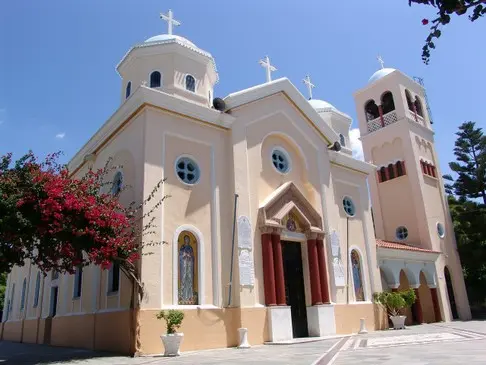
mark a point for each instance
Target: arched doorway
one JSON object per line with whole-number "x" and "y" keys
{"x": 450, "y": 292}
{"x": 409, "y": 312}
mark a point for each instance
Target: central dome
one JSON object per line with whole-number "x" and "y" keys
{"x": 321, "y": 105}
{"x": 380, "y": 73}
{"x": 162, "y": 38}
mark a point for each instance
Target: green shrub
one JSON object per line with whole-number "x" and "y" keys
{"x": 173, "y": 319}
{"x": 393, "y": 302}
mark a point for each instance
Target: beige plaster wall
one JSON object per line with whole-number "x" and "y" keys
{"x": 348, "y": 317}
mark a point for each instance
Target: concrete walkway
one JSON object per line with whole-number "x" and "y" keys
{"x": 444, "y": 343}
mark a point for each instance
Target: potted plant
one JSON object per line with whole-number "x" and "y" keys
{"x": 393, "y": 303}
{"x": 172, "y": 340}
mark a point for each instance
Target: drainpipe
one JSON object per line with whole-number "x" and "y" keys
{"x": 347, "y": 260}
{"x": 232, "y": 253}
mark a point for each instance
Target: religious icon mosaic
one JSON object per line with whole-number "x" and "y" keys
{"x": 188, "y": 269}
{"x": 357, "y": 276}
{"x": 291, "y": 222}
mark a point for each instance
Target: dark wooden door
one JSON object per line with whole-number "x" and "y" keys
{"x": 450, "y": 291}
{"x": 294, "y": 287}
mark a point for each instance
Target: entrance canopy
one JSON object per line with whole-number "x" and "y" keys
{"x": 288, "y": 209}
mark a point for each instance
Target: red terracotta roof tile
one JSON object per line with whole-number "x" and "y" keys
{"x": 401, "y": 246}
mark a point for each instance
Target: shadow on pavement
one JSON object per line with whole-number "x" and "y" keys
{"x": 29, "y": 354}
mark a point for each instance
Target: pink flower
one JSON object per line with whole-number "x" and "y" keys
{"x": 425, "y": 21}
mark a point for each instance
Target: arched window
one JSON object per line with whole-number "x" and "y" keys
{"x": 117, "y": 183}
{"x": 450, "y": 292}
{"x": 383, "y": 174}
{"x": 11, "y": 301}
{"x": 391, "y": 171}
{"x": 418, "y": 106}
{"x": 399, "y": 168}
{"x": 432, "y": 170}
{"x": 190, "y": 83}
{"x": 128, "y": 90}
{"x": 209, "y": 98}
{"x": 387, "y": 102}
{"x": 188, "y": 269}
{"x": 155, "y": 79}
{"x": 342, "y": 140}
{"x": 409, "y": 100}
{"x": 371, "y": 110}
{"x": 22, "y": 299}
{"x": 78, "y": 282}
{"x": 114, "y": 278}
{"x": 37, "y": 289}
{"x": 357, "y": 276}
{"x": 422, "y": 165}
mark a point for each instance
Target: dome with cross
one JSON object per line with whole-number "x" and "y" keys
{"x": 380, "y": 74}
{"x": 321, "y": 105}
{"x": 169, "y": 38}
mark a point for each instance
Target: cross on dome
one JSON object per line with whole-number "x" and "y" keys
{"x": 309, "y": 84}
{"x": 169, "y": 18}
{"x": 265, "y": 63}
{"x": 380, "y": 60}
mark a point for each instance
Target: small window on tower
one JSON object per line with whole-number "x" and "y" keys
{"x": 399, "y": 168}
{"x": 418, "y": 106}
{"x": 190, "y": 83}
{"x": 409, "y": 101}
{"x": 383, "y": 174}
{"x": 401, "y": 233}
{"x": 391, "y": 171}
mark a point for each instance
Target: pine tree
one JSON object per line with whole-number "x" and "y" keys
{"x": 470, "y": 152}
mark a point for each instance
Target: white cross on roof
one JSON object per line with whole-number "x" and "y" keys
{"x": 169, "y": 18}
{"x": 309, "y": 84}
{"x": 265, "y": 63}
{"x": 380, "y": 60}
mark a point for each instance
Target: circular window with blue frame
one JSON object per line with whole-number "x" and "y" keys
{"x": 187, "y": 170}
{"x": 440, "y": 230}
{"x": 401, "y": 233}
{"x": 348, "y": 206}
{"x": 281, "y": 160}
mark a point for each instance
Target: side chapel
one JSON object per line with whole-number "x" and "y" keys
{"x": 269, "y": 224}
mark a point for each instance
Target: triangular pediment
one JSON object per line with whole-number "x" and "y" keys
{"x": 288, "y": 209}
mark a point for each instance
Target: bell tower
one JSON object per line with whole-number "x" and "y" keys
{"x": 407, "y": 192}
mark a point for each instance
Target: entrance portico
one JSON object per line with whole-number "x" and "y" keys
{"x": 405, "y": 266}
{"x": 290, "y": 228}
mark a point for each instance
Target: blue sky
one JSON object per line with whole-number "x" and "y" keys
{"x": 57, "y": 58}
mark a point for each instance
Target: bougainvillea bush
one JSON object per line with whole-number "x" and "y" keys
{"x": 60, "y": 222}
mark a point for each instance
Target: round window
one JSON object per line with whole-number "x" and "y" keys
{"x": 117, "y": 183}
{"x": 348, "y": 206}
{"x": 187, "y": 170}
{"x": 440, "y": 230}
{"x": 402, "y": 233}
{"x": 281, "y": 160}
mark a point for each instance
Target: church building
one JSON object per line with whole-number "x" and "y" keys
{"x": 271, "y": 224}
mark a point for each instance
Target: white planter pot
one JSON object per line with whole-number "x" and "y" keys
{"x": 398, "y": 322}
{"x": 172, "y": 343}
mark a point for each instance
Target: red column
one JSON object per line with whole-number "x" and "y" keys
{"x": 279, "y": 272}
{"x": 435, "y": 301}
{"x": 403, "y": 168}
{"x": 268, "y": 270}
{"x": 417, "y": 308}
{"x": 315, "y": 279}
{"x": 380, "y": 110}
{"x": 321, "y": 259}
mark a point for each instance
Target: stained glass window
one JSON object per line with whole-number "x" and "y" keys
{"x": 188, "y": 269}
{"x": 117, "y": 183}
{"x": 357, "y": 276}
{"x": 402, "y": 233}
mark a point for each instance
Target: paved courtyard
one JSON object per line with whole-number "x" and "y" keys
{"x": 444, "y": 343}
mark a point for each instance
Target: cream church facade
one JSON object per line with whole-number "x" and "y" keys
{"x": 269, "y": 223}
